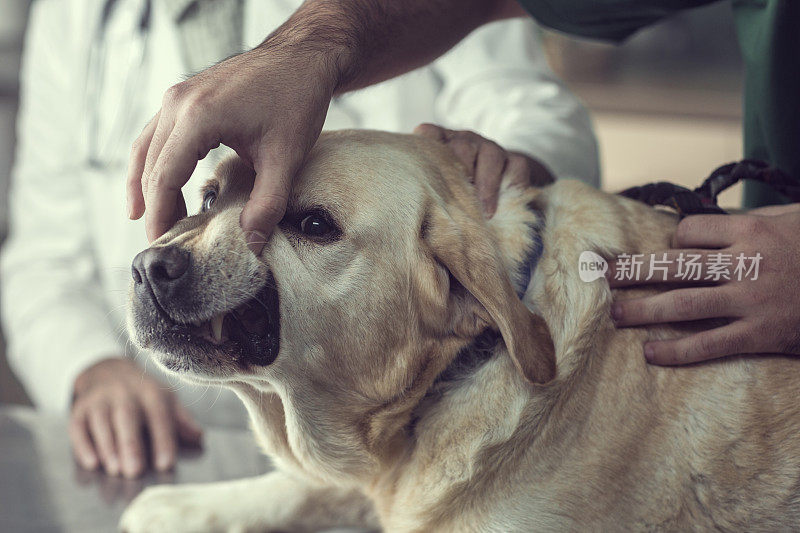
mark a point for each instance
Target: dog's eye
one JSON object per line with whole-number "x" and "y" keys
{"x": 208, "y": 200}
{"x": 316, "y": 225}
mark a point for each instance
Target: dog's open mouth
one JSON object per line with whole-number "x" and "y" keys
{"x": 248, "y": 334}
{"x": 252, "y": 329}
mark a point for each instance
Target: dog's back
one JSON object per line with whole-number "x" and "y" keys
{"x": 612, "y": 443}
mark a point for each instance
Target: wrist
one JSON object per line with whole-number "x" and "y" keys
{"x": 321, "y": 38}
{"x": 94, "y": 372}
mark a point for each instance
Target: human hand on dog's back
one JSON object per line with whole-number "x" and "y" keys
{"x": 269, "y": 104}
{"x": 763, "y": 313}
{"x": 115, "y": 408}
{"x": 489, "y": 163}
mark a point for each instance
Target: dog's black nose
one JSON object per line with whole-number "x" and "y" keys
{"x": 161, "y": 269}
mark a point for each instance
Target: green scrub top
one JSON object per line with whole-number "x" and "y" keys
{"x": 769, "y": 38}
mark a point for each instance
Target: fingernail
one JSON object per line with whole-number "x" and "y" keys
{"x": 112, "y": 466}
{"x": 255, "y": 241}
{"x": 132, "y": 467}
{"x": 616, "y": 312}
{"x": 648, "y": 353}
{"x": 163, "y": 462}
{"x": 89, "y": 462}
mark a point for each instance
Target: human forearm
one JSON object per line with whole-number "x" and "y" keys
{"x": 368, "y": 41}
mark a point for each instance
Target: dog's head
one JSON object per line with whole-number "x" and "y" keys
{"x": 381, "y": 270}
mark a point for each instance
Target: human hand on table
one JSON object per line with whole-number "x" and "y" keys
{"x": 117, "y": 411}
{"x": 489, "y": 162}
{"x": 763, "y": 314}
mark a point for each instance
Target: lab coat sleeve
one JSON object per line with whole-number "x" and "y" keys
{"x": 54, "y": 316}
{"x": 497, "y": 83}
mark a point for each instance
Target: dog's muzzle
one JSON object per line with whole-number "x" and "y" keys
{"x": 164, "y": 285}
{"x": 160, "y": 273}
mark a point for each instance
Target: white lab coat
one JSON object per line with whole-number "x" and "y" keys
{"x": 66, "y": 265}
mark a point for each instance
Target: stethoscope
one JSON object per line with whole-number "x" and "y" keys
{"x": 103, "y": 152}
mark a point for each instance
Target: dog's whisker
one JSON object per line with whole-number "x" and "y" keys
{"x": 198, "y": 398}
{"x": 219, "y": 393}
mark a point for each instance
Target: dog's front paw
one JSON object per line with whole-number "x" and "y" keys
{"x": 176, "y": 509}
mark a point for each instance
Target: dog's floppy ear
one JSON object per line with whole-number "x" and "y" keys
{"x": 466, "y": 249}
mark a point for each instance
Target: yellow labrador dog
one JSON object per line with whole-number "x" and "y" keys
{"x": 399, "y": 382}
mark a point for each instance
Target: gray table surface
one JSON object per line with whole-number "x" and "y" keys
{"x": 43, "y": 490}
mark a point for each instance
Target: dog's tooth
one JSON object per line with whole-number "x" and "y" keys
{"x": 216, "y": 326}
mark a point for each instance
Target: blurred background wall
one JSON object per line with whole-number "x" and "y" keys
{"x": 666, "y": 104}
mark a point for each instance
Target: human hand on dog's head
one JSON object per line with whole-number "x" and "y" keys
{"x": 115, "y": 407}
{"x": 489, "y": 163}
{"x": 240, "y": 103}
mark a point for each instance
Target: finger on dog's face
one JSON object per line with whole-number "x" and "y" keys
{"x": 159, "y": 137}
{"x": 267, "y": 203}
{"x": 174, "y": 167}
{"x": 180, "y": 206}
{"x": 161, "y": 214}
{"x": 136, "y": 164}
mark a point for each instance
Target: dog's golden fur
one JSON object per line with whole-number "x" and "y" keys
{"x": 565, "y": 427}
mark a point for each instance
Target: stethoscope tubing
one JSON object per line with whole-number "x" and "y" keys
{"x": 99, "y": 155}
